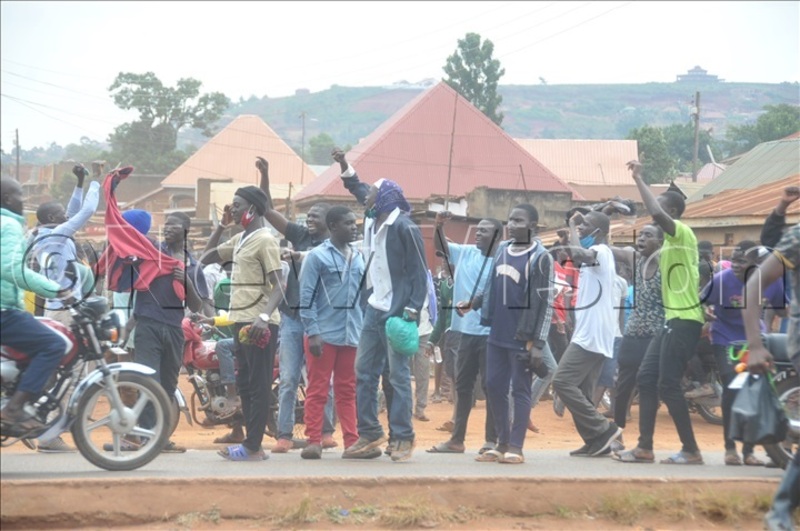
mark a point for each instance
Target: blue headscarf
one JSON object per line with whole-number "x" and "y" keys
{"x": 390, "y": 196}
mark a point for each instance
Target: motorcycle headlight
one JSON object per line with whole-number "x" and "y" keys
{"x": 109, "y": 328}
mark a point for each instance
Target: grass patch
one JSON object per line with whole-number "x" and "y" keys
{"x": 412, "y": 512}
{"x": 629, "y": 507}
{"x": 302, "y": 514}
{"x": 188, "y": 520}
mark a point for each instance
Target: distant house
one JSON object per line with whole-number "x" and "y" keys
{"x": 439, "y": 137}
{"x": 698, "y": 74}
{"x": 764, "y": 164}
{"x": 227, "y": 157}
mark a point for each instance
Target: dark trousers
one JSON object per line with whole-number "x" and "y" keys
{"x": 160, "y": 347}
{"x": 504, "y": 369}
{"x": 470, "y": 361}
{"x": 558, "y": 342}
{"x": 631, "y": 354}
{"x": 660, "y": 377}
{"x": 23, "y": 332}
{"x": 254, "y": 379}
{"x": 726, "y": 376}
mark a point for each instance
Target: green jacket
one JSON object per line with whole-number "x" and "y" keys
{"x": 15, "y": 276}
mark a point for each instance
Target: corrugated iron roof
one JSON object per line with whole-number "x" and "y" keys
{"x": 413, "y": 149}
{"x": 766, "y": 163}
{"x": 591, "y": 162}
{"x": 232, "y": 153}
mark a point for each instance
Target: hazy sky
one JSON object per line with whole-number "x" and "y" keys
{"x": 59, "y": 58}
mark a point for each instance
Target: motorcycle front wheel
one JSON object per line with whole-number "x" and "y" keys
{"x": 116, "y": 439}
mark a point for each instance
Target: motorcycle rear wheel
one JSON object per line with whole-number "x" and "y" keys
{"x": 97, "y": 423}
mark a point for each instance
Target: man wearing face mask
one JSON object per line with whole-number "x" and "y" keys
{"x": 593, "y": 338}
{"x": 255, "y": 295}
{"x": 397, "y": 286}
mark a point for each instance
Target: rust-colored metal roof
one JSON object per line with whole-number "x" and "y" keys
{"x": 232, "y": 153}
{"x": 413, "y": 149}
{"x": 757, "y": 201}
{"x": 597, "y": 162}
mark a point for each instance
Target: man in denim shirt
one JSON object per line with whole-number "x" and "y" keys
{"x": 330, "y": 282}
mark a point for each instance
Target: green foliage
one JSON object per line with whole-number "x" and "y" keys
{"x": 319, "y": 149}
{"x": 654, "y": 154}
{"x": 86, "y": 151}
{"x": 680, "y": 142}
{"x": 474, "y": 74}
{"x": 150, "y": 143}
{"x": 777, "y": 122}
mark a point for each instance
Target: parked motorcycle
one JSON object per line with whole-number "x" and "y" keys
{"x": 787, "y": 384}
{"x": 202, "y": 366}
{"x": 106, "y": 401}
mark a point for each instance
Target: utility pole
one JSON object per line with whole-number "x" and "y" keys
{"x": 16, "y": 133}
{"x": 303, "y": 146}
{"x": 696, "y": 115}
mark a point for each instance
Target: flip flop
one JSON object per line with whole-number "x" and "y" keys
{"x": 485, "y": 448}
{"x": 752, "y": 460}
{"x": 239, "y": 453}
{"x": 489, "y": 456}
{"x": 683, "y": 458}
{"x": 631, "y": 457}
{"x": 20, "y": 428}
{"x": 510, "y": 458}
{"x": 733, "y": 459}
{"x": 444, "y": 448}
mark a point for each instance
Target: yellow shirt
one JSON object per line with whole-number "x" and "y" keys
{"x": 253, "y": 260}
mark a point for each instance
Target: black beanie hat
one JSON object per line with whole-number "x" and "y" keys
{"x": 255, "y": 196}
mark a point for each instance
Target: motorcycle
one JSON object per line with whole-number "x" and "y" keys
{"x": 209, "y": 394}
{"x": 107, "y": 399}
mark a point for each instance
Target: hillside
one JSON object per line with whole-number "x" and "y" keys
{"x": 531, "y": 111}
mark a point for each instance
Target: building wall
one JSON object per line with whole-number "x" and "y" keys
{"x": 495, "y": 203}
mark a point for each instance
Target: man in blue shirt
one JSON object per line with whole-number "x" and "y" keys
{"x": 159, "y": 312}
{"x": 330, "y": 285}
{"x": 473, "y": 265}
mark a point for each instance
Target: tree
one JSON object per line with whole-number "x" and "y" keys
{"x": 150, "y": 142}
{"x": 680, "y": 144}
{"x": 777, "y": 122}
{"x": 474, "y": 74}
{"x": 319, "y": 149}
{"x": 87, "y": 150}
{"x": 654, "y": 154}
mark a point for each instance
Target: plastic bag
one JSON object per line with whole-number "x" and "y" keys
{"x": 756, "y": 415}
{"x": 402, "y": 336}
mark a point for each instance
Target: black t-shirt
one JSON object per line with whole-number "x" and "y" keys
{"x": 301, "y": 240}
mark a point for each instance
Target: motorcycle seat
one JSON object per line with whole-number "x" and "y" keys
{"x": 776, "y": 344}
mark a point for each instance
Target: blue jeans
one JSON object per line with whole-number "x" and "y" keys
{"x": 227, "y": 366}
{"x": 43, "y": 346}
{"x": 371, "y": 357}
{"x": 292, "y": 358}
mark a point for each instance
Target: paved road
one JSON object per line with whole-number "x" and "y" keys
{"x": 206, "y": 463}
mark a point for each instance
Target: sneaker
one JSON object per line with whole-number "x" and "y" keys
{"x": 172, "y": 448}
{"x": 700, "y": 392}
{"x": 363, "y": 445}
{"x": 328, "y": 442}
{"x": 603, "y": 442}
{"x": 312, "y": 451}
{"x": 369, "y": 454}
{"x": 390, "y": 447}
{"x": 617, "y": 445}
{"x": 56, "y": 446}
{"x": 403, "y": 450}
{"x": 583, "y": 451}
{"x": 282, "y": 446}
{"x": 558, "y": 405}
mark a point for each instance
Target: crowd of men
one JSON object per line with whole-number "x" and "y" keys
{"x": 513, "y": 317}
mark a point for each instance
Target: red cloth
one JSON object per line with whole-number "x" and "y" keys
{"x": 339, "y": 361}
{"x": 126, "y": 245}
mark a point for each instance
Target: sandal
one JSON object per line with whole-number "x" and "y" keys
{"x": 732, "y": 458}
{"x": 511, "y": 458}
{"x": 239, "y": 453}
{"x": 446, "y": 448}
{"x": 631, "y": 456}
{"x": 20, "y": 427}
{"x": 684, "y": 458}
{"x": 752, "y": 460}
{"x": 447, "y": 426}
{"x": 489, "y": 456}
{"x": 485, "y": 448}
